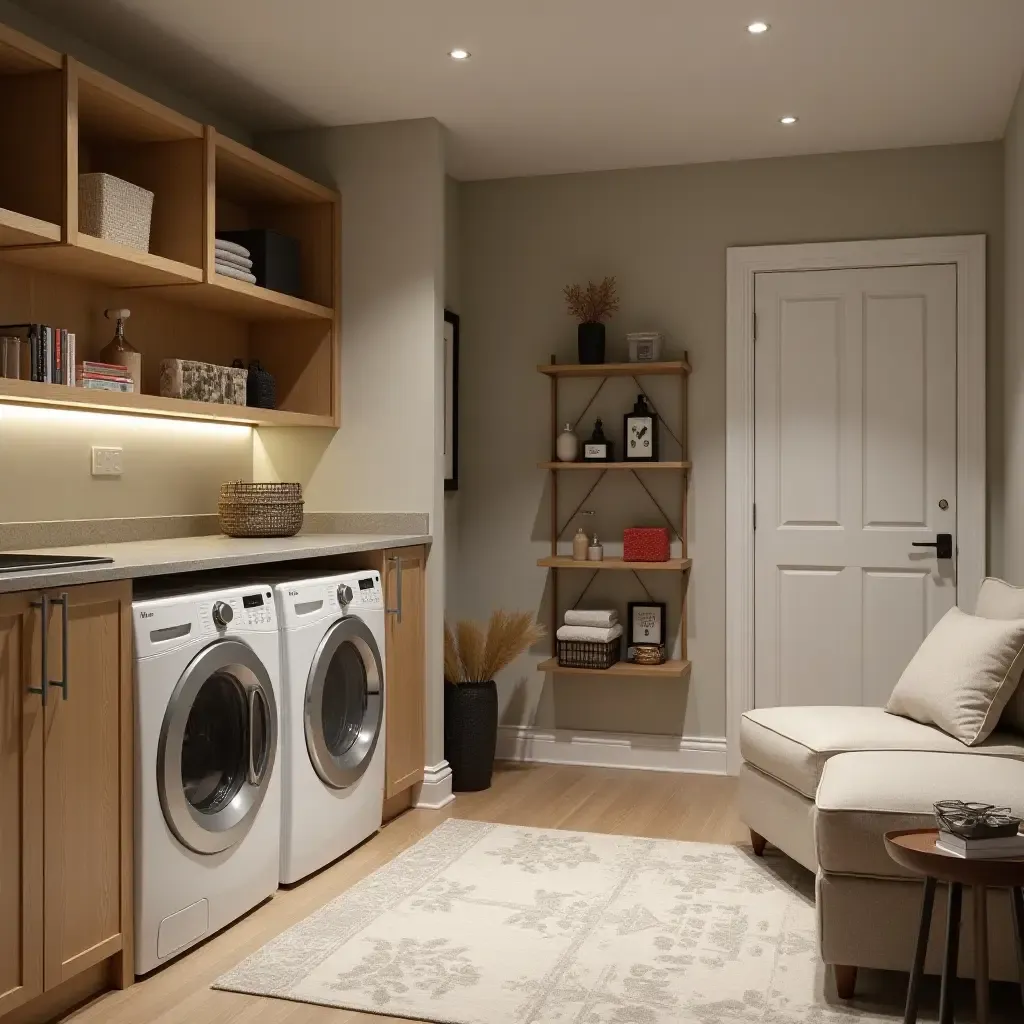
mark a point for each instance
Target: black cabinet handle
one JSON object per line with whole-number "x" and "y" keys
{"x": 943, "y": 545}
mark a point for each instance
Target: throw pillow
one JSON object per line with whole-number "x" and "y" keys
{"x": 998, "y": 600}
{"x": 962, "y": 676}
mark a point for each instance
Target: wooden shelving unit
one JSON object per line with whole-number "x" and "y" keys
{"x": 556, "y": 372}
{"x": 75, "y": 120}
{"x": 615, "y": 564}
{"x": 616, "y": 466}
{"x": 673, "y": 669}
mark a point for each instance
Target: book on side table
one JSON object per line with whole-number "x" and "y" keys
{"x": 980, "y": 849}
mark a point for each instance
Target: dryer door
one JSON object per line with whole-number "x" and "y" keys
{"x": 344, "y": 706}
{"x": 217, "y": 747}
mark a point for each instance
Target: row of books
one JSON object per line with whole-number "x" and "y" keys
{"x": 48, "y": 356}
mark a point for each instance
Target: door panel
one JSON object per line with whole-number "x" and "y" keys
{"x": 405, "y": 669}
{"x": 88, "y": 822}
{"x": 855, "y": 447}
{"x": 21, "y": 805}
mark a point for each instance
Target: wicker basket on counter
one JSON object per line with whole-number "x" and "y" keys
{"x": 260, "y": 510}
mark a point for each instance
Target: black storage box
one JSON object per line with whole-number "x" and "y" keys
{"x": 275, "y": 258}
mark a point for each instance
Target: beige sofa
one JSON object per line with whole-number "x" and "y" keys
{"x": 823, "y": 784}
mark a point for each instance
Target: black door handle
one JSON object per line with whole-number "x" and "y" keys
{"x": 943, "y": 545}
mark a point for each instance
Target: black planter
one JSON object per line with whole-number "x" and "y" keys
{"x": 590, "y": 343}
{"x": 470, "y": 733}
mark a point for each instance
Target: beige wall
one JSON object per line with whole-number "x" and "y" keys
{"x": 1008, "y": 501}
{"x": 387, "y": 455}
{"x": 663, "y": 232}
{"x": 170, "y": 468}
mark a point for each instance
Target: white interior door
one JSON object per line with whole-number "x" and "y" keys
{"x": 855, "y": 461}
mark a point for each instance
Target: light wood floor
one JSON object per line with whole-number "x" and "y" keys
{"x": 654, "y": 804}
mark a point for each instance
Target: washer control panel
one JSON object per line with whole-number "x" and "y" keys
{"x": 309, "y": 600}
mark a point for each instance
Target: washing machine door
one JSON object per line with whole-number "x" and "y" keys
{"x": 217, "y": 748}
{"x": 344, "y": 706}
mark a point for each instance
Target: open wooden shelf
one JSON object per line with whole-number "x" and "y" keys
{"x": 20, "y": 229}
{"x": 677, "y": 466}
{"x": 676, "y": 669}
{"x": 568, "y": 562}
{"x": 58, "y": 395}
{"x": 96, "y": 259}
{"x": 73, "y": 120}
{"x": 674, "y": 368}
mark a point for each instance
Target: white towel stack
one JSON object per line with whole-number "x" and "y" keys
{"x": 232, "y": 260}
{"x": 599, "y": 626}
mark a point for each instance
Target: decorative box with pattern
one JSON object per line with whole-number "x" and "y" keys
{"x": 645, "y": 544}
{"x": 203, "y": 382}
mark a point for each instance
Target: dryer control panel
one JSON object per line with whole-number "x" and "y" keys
{"x": 304, "y": 601}
{"x": 163, "y": 624}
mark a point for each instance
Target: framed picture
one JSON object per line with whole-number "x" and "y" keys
{"x": 451, "y": 400}
{"x": 645, "y": 623}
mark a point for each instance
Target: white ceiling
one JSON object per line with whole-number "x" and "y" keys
{"x": 574, "y": 85}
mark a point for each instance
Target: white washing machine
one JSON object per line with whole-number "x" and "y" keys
{"x": 207, "y": 777}
{"x": 332, "y": 716}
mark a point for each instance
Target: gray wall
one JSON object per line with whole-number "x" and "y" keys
{"x": 1008, "y": 501}
{"x": 663, "y": 232}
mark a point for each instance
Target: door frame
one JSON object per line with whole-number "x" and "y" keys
{"x": 967, "y": 254}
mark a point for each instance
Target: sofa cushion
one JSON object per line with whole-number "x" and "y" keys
{"x": 998, "y": 600}
{"x": 793, "y": 744}
{"x": 963, "y": 675}
{"x": 864, "y": 795}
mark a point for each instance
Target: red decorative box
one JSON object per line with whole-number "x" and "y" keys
{"x": 645, "y": 544}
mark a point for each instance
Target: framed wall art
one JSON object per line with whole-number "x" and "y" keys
{"x": 451, "y": 400}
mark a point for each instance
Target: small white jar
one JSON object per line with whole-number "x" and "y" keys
{"x": 567, "y": 447}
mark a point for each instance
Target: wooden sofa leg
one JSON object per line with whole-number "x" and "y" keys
{"x": 758, "y": 843}
{"x": 846, "y": 980}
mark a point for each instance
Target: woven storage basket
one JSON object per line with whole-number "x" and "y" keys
{"x": 115, "y": 210}
{"x": 588, "y": 654}
{"x": 260, "y": 510}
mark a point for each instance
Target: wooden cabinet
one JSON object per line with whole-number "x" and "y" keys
{"x": 21, "y": 807}
{"x": 65, "y": 788}
{"x": 405, "y": 595}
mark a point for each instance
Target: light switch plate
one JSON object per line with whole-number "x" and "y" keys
{"x": 106, "y": 461}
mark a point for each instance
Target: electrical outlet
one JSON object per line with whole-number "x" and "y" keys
{"x": 106, "y": 461}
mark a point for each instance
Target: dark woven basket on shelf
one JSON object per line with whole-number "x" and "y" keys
{"x": 587, "y": 654}
{"x": 470, "y": 733}
{"x": 260, "y": 510}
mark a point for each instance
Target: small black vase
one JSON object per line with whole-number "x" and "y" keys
{"x": 590, "y": 343}
{"x": 470, "y": 733}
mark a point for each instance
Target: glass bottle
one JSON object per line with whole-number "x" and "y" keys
{"x": 120, "y": 352}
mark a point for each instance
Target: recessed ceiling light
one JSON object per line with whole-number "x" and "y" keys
{"x": 758, "y": 28}
{"x": 788, "y": 119}
{"x": 459, "y": 54}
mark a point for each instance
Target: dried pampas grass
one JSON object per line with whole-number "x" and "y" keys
{"x": 593, "y": 304}
{"x": 473, "y": 656}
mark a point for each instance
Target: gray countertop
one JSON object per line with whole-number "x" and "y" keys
{"x": 135, "y": 559}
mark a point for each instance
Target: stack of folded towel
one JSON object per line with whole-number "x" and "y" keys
{"x": 232, "y": 260}
{"x": 597, "y": 626}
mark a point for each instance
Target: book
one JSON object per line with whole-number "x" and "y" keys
{"x": 980, "y": 849}
{"x": 103, "y": 376}
{"x": 47, "y": 373}
{"x": 72, "y": 371}
{"x": 103, "y": 369}
{"x": 101, "y": 384}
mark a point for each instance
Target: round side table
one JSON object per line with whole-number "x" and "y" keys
{"x": 915, "y": 850}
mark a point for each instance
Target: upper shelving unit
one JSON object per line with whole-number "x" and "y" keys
{"x": 74, "y": 120}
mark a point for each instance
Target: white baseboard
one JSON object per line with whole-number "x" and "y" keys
{"x": 435, "y": 791}
{"x": 706, "y": 756}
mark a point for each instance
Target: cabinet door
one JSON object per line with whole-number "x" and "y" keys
{"x": 405, "y": 692}
{"x": 21, "y": 804}
{"x": 88, "y": 783}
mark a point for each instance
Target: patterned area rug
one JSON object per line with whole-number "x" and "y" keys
{"x": 493, "y": 924}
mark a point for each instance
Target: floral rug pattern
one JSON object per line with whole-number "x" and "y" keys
{"x": 495, "y": 924}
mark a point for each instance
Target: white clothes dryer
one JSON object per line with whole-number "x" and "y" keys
{"x": 332, "y": 713}
{"x": 207, "y": 777}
